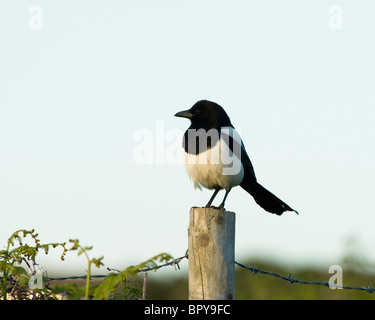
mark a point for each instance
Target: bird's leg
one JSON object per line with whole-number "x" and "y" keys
{"x": 212, "y": 198}
{"x": 225, "y": 197}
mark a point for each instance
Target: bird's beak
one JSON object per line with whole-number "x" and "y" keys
{"x": 184, "y": 114}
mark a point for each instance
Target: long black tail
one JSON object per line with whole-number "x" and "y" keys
{"x": 267, "y": 200}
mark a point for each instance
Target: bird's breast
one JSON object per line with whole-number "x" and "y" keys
{"x": 215, "y": 168}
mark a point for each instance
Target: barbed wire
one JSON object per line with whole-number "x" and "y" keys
{"x": 174, "y": 263}
{"x": 292, "y": 280}
{"x": 255, "y": 271}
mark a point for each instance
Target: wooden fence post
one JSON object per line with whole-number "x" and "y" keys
{"x": 211, "y": 254}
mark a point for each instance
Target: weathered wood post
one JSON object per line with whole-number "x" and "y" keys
{"x": 211, "y": 254}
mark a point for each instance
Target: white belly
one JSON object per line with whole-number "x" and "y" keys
{"x": 215, "y": 168}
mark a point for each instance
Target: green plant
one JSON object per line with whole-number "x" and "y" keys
{"x": 97, "y": 262}
{"x": 18, "y": 261}
{"x": 112, "y": 281}
{"x": 17, "y": 253}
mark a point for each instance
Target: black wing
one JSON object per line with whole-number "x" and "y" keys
{"x": 231, "y": 137}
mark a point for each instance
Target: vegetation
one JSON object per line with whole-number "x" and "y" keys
{"x": 18, "y": 268}
{"x": 15, "y": 278}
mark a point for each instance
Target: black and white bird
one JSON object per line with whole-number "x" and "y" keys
{"x": 215, "y": 157}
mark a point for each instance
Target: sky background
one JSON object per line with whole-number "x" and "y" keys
{"x": 74, "y": 93}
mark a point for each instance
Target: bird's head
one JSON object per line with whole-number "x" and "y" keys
{"x": 206, "y": 114}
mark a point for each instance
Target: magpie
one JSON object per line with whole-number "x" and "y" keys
{"x": 216, "y": 158}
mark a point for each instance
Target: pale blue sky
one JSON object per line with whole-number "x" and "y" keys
{"x": 73, "y": 94}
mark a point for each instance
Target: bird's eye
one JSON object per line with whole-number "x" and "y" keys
{"x": 197, "y": 111}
